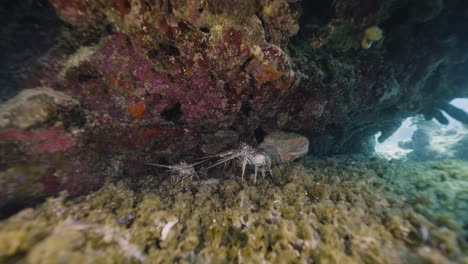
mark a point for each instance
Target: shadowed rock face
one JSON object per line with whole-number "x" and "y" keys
{"x": 178, "y": 79}
{"x": 28, "y": 29}
{"x": 177, "y": 72}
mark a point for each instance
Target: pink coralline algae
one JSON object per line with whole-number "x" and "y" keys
{"x": 45, "y": 141}
{"x": 118, "y": 59}
{"x": 196, "y": 67}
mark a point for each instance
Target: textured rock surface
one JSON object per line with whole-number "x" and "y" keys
{"x": 170, "y": 75}
{"x": 285, "y": 146}
{"x": 180, "y": 66}
{"x": 167, "y": 80}
{"x": 33, "y": 107}
{"x": 336, "y": 210}
{"x": 42, "y": 149}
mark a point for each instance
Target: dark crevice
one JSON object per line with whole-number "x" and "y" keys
{"x": 126, "y": 5}
{"x": 205, "y": 30}
{"x": 169, "y": 49}
{"x": 15, "y": 206}
{"x": 260, "y": 134}
{"x": 347, "y": 244}
{"x": 173, "y": 114}
{"x": 109, "y": 30}
{"x": 246, "y": 63}
{"x": 152, "y": 54}
{"x": 169, "y": 7}
{"x": 229, "y": 88}
{"x": 74, "y": 118}
{"x": 82, "y": 73}
{"x": 246, "y": 108}
{"x": 265, "y": 28}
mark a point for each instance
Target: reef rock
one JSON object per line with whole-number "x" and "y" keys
{"x": 42, "y": 149}
{"x": 34, "y": 106}
{"x": 421, "y": 138}
{"x": 284, "y": 146}
{"x": 164, "y": 76}
{"x": 158, "y": 80}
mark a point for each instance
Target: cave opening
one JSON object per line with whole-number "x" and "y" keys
{"x": 428, "y": 135}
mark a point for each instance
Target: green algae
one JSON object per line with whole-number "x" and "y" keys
{"x": 338, "y": 210}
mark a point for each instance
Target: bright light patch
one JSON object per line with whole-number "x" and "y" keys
{"x": 461, "y": 103}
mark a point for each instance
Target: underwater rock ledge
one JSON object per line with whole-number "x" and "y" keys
{"x": 164, "y": 78}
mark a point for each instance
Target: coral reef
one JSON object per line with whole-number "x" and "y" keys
{"x": 32, "y": 107}
{"x": 44, "y": 149}
{"x": 102, "y": 88}
{"x": 284, "y": 147}
{"x": 171, "y": 80}
{"x": 345, "y": 209}
{"x": 179, "y": 72}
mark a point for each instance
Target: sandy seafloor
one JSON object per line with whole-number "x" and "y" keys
{"x": 346, "y": 209}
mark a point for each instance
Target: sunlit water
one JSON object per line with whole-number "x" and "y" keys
{"x": 390, "y": 149}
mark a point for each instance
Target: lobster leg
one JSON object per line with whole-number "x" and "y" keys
{"x": 244, "y": 164}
